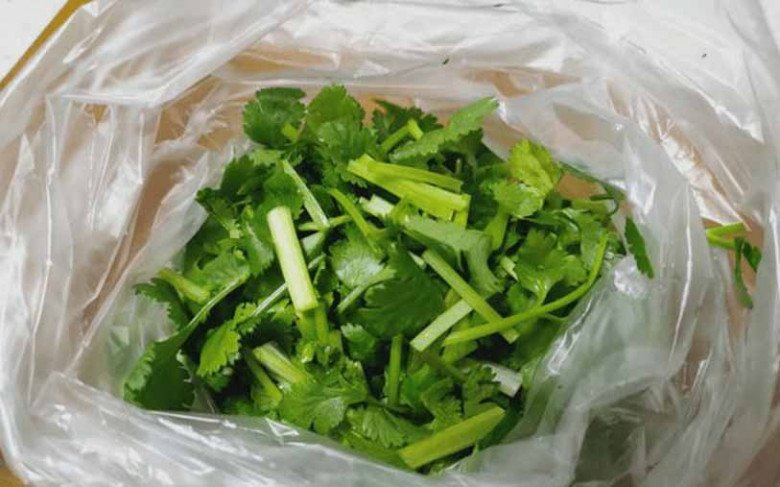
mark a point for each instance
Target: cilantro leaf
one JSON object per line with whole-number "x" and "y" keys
{"x": 392, "y": 117}
{"x": 517, "y": 199}
{"x": 162, "y": 292}
{"x": 378, "y": 424}
{"x": 354, "y": 260}
{"x": 362, "y": 345}
{"x": 480, "y": 386}
{"x": 322, "y": 404}
{"x": 402, "y": 304}
{"x": 533, "y": 165}
{"x": 464, "y": 121}
{"x": 273, "y": 109}
{"x": 159, "y": 380}
{"x": 439, "y": 399}
{"x": 751, "y": 254}
{"x": 636, "y": 245}
{"x": 333, "y": 103}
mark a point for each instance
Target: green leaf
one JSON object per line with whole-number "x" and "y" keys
{"x": 533, "y": 165}
{"x": 362, "y": 345}
{"x": 159, "y": 380}
{"x": 220, "y": 209}
{"x": 517, "y": 199}
{"x": 751, "y": 254}
{"x": 266, "y": 116}
{"x": 378, "y": 424}
{"x": 162, "y": 292}
{"x": 322, "y": 404}
{"x": 221, "y": 349}
{"x": 440, "y": 401}
{"x": 480, "y": 386}
{"x": 353, "y": 259}
{"x": 333, "y": 103}
{"x": 403, "y": 304}
{"x": 636, "y": 245}
{"x": 464, "y": 121}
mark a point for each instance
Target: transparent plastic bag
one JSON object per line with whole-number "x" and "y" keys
{"x": 133, "y": 106}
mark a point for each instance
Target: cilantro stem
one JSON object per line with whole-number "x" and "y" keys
{"x": 414, "y": 174}
{"x": 394, "y": 369}
{"x": 414, "y": 129}
{"x": 262, "y": 377}
{"x": 310, "y": 203}
{"x": 461, "y": 218}
{"x": 496, "y": 326}
{"x": 291, "y": 260}
{"x": 508, "y": 266}
{"x": 440, "y": 325}
{"x": 278, "y": 364}
{"x": 465, "y": 291}
{"x": 377, "y": 206}
{"x": 431, "y": 199}
{"x": 728, "y": 229}
{"x": 368, "y": 230}
{"x": 290, "y": 132}
{"x": 496, "y": 228}
{"x": 332, "y": 223}
{"x": 721, "y": 242}
{"x": 450, "y": 440}
{"x": 184, "y": 286}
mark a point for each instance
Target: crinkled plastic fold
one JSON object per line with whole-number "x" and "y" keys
{"x": 134, "y": 105}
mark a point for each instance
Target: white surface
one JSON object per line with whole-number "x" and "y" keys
{"x": 20, "y": 23}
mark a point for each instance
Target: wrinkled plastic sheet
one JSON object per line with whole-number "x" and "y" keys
{"x": 134, "y": 105}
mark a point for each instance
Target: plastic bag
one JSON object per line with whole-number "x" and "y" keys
{"x": 109, "y": 132}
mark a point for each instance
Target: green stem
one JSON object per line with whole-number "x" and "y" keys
{"x": 332, "y": 223}
{"x": 728, "y": 229}
{"x": 394, "y": 139}
{"x": 496, "y": 228}
{"x": 415, "y": 174}
{"x": 310, "y": 203}
{"x": 414, "y": 130}
{"x": 465, "y": 291}
{"x": 187, "y": 288}
{"x": 377, "y": 206}
{"x": 291, "y": 260}
{"x": 394, "y": 369}
{"x": 508, "y": 266}
{"x": 262, "y": 377}
{"x": 497, "y": 326}
{"x": 721, "y": 242}
{"x": 451, "y": 440}
{"x": 441, "y": 325}
{"x": 349, "y": 207}
{"x": 278, "y": 364}
{"x": 290, "y": 132}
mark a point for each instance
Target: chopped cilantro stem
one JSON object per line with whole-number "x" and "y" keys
{"x": 310, "y": 203}
{"x": 496, "y": 228}
{"x": 721, "y": 242}
{"x": 349, "y": 207}
{"x": 436, "y": 201}
{"x": 332, "y": 223}
{"x": 728, "y": 229}
{"x": 377, "y": 206}
{"x": 262, "y": 377}
{"x": 465, "y": 291}
{"x": 187, "y": 288}
{"x": 394, "y": 369}
{"x": 461, "y": 218}
{"x": 497, "y": 326}
{"x": 441, "y": 325}
{"x": 414, "y": 129}
{"x": 291, "y": 260}
{"x": 451, "y": 440}
{"x": 508, "y": 266}
{"x": 278, "y": 364}
{"x": 290, "y": 132}
{"x": 414, "y": 174}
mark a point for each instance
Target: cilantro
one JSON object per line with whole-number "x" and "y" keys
{"x": 348, "y": 276}
{"x": 636, "y": 245}
{"x": 268, "y": 116}
{"x": 402, "y": 304}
